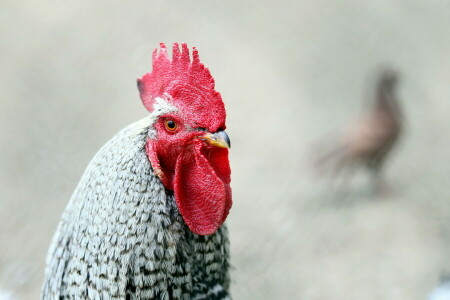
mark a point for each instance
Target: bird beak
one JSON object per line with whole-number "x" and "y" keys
{"x": 218, "y": 139}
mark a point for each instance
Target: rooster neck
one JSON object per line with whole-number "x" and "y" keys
{"x": 386, "y": 101}
{"x": 121, "y": 216}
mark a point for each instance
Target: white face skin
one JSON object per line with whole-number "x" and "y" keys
{"x": 160, "y": 107}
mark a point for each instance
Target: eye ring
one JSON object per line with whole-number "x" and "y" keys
{"x": 170, "y": 124}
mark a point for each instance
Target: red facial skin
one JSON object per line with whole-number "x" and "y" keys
{"x": 197, "y": 172}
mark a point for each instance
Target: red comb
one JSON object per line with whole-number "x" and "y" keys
{"x": 168, "y": 74}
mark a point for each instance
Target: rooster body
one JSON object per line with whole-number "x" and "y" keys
{"x": 126, "y": 235}
{"x": 371, "y": 139}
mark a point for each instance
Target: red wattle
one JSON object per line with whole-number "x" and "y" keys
{"x": 202, "y": 188}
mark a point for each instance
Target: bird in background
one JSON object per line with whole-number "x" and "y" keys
{"x": 369, "y": 141}
{"x": 146, "y": 219}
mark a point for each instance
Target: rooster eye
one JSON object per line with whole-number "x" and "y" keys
{"x": 170, "y": 125}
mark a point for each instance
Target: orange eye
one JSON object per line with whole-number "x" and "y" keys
{"x": 170, "y": 125}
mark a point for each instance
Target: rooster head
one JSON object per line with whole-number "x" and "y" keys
{"x": 187, "y": 145}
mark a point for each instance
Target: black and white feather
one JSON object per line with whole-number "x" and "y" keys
{"x": 122, "y": 236}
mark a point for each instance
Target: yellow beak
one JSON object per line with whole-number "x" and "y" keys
{"x": 218, "y": 139}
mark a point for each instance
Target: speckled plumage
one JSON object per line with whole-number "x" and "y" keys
{"x": 122, "y": 236}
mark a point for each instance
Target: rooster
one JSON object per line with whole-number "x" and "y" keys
{"x": 369, "y": 140}
{"x": 146, "y": 219}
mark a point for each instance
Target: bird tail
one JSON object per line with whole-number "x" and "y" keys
{"x": 329, "y": 157}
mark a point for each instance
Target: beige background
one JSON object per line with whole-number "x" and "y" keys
{"x": 290, "y": 72}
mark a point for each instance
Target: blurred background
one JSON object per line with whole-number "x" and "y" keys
{"x": 291, "y": 73}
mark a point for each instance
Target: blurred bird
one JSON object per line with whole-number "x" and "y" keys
{"x": 371, "y": 138}
{"x": 146, "y": 219}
